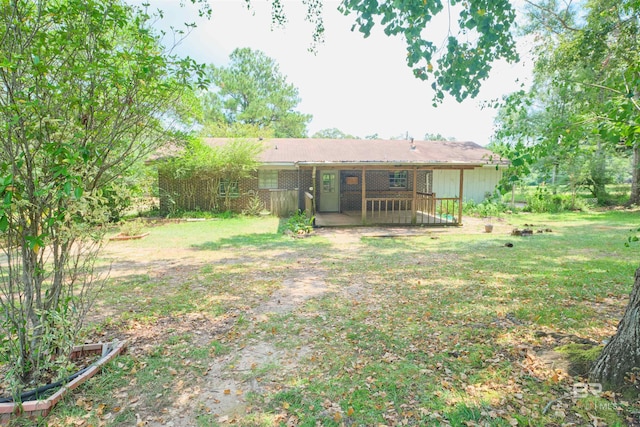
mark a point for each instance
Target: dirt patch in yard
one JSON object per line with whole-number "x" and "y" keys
{"x": 248, "y": 365}
{"x": 257, "y": 366}
{"x": 253, "y": 361}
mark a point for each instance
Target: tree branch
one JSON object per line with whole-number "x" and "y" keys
{"x": 560, "y": 19}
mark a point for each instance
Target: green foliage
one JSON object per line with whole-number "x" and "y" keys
{"x": 580, "y": 112}
{"x": 252, "y": 94}
{"x": 488, "y": 209}
{"x": 255, "y": 206}
{"x": 220, "y": 167}
{"x": 117, "y": 198}
{"x": 464, "y": 61}
{"x": 437, "y": 137}
{"x": 50, "y": 344}
{"x": 545, "y": 201}
{"x": 134, "y": 227}
{"x": 234, "y": 159}
{"x": 299, "y": 223}
{"x": 458, "y": 61}
{"x": 633, "y": 238}
{"x": 581, "y": 356}
{"x": 198, "y": 214}
{"x": 332, "y": 133}
{"x": 491, "y": 207}
{"x": 86, "y": 89}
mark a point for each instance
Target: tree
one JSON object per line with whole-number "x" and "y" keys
{"x": 544, "y": 130}
{"x": 622, "y": 353}
{"x": 216, "y": 171}
{"x": 484, "y": 35}
{"x": 594, "y": 63}
{"x": 86, "y": 89}
{"x": 332, "y": 133}
{"x": 437, "y": 137}
{"x": 578, "y": 103}
{"x": 251, "y": 91}
{"x": 458, "y": 63}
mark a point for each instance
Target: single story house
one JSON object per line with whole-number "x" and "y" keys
{"x": 371, "y": 181}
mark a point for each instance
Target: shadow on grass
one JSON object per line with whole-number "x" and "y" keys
{"x": 404, "y": 334}
{"x": 265, "y": 240}
{"x": 389, "y": 241}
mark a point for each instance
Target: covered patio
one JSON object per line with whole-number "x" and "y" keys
{"x": 365, "y": 195}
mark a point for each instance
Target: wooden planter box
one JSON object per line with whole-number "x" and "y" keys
{"x": 41, "y": 408}
{"x": 123, "y": 237}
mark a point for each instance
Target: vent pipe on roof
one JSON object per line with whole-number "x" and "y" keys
{"x": 413, "y": 146}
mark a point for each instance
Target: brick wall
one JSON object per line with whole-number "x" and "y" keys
{"x": 202, "y": 194}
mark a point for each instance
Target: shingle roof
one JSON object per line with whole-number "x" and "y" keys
{"x": 310, "y": 151}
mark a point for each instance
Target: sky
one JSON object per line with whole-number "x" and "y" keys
{"x": 361, "y": 86}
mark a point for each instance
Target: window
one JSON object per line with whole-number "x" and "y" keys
{"x": 229, "y": 188}
{"x": 329, "y": 182}
{"x": 398, "y": 179}
{"x": 267, "y": 179}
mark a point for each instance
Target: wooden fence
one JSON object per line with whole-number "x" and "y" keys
{"x": 284, "y": 202}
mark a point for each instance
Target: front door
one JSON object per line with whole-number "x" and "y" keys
{"x": 329, "y": 191}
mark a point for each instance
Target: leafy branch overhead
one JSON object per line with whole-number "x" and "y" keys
{"x": 463, "y": 60}
{"x": 458, "y": 61}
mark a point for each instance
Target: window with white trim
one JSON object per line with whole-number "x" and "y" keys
{"x": 267, "y": 179}
{"x": 397, "y": 179}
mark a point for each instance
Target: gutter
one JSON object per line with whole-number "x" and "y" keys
{"x": 398, "y": 164}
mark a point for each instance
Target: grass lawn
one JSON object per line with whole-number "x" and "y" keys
{"x": 231, "y": 323}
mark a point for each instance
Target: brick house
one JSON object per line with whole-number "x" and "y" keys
{"x": 375, "y": 181}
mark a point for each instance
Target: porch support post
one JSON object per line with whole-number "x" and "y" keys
{"x": 460, "y": 197}
{"x": 313, "y": 180}
{"x": 414, "y": 203}
{"x": 364, "y": 196}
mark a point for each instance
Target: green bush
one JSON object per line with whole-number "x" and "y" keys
{"x": 544, "y": 201}
{"x": 133, "y": 227}
{"x": 490, "y": 207}
{"x": 197, "y": 214}
{"x": 299, "y": 223}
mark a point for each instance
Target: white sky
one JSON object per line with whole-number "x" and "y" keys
{"x": 360, "y": 86}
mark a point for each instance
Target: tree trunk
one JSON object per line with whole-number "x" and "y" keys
{"x": 598, "y": 173}
{"x": 635, "y": 176}
{"x": 622, "y": 353}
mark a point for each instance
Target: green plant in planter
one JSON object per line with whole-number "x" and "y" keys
{"x": 488, "y": 210}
